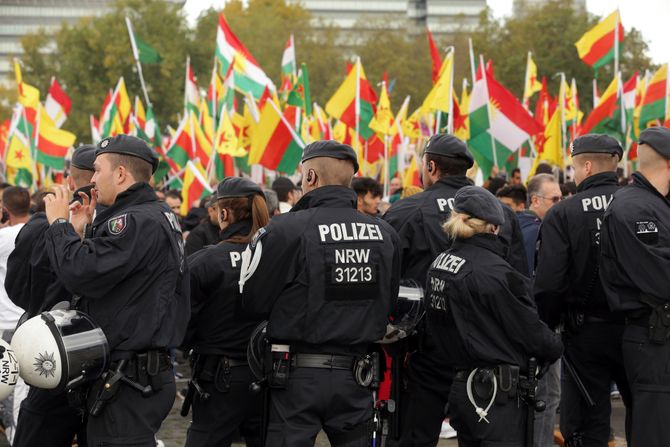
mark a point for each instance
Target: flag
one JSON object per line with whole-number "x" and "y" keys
{"x": 434, "y": 56}
{"x": 52, "y": 144}
{"x": 654, "y": 101}
{"x": 249, "y": 77}
{"x": 142, "y": 51}
{"x": 605, "y": 118}
{"x": 573, "y": 116}
{"x": 496, "y": 117}
{"x": 226, "y": 139}
{"x": 596, "y": 46}
{"x": 383, "y": 122}
{"x": 191, "y": 92}
{"x": 440, "y": 96}
{"x": 195, "y": 187}
{"x": 189, "y": 143}
{"x": 288, "y": 64}
{"x": 29, "y": 96}
{"x": 411, "y": 176}
{"x": 354, "y": 99}
{"x": 274, "y": 143}
{"x": 57, "y": 104}
{"x": 300, "y": 96}
{"x": 531, "y": 84}
{"x": 461, "y": 116}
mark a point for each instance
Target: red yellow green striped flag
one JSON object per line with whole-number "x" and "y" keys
{"x": 52, "y": 143}
{"x": 596, "y": 46}
{"x": 195, "y": 186}
{"x": 654, "y": 101}
{"x": 274, "y": 143}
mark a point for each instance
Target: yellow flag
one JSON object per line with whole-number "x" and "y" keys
{"x": 462, "y": 130}
{"x": 553, "y": 148}
{"x": 382, "y": 122}
{"x": 18, "y": 152}
{"x": 226, "y": 140}
{"x": 438, "y": 98}
{"x": 123, "y": 100}
{"x": 29, "y": 96}
{"x": 531, "y": 84}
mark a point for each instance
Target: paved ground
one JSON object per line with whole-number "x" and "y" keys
{"x": 173, "y": 431}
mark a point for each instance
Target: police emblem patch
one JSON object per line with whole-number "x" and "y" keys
{"x": 117, "y": 224}
{"x": 104, "y": 143}
{"x": 45, "y": 364}
{"x": 646, "y": 226}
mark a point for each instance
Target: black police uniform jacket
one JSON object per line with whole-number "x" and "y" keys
{"x": 569, "y": 248}
{"x": 328, "y": 277}
{"x": 480, "y": 310}
{"x": 131, "y": 275}
{"x": 418, "y": 220}
{"x": 218, "y": 326}
{"x": 635, "y": 246}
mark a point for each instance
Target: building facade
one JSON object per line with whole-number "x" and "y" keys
{"x": 519, "y": 7}
{"x": 21, "y": 17}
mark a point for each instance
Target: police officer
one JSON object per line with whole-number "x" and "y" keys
{"x": 418, "y": 220}
{"x": 635, "y": 272}
{"x": 567, "y": 285}
{"x": 128, "y": 277}
{"x": 46, "y": 418}
{"x": 219, "y": 331}
{"x": 481, "y": 313}
{"x": 327, "y": 277}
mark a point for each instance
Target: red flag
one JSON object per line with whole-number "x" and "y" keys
{"x": 435, "y": 56}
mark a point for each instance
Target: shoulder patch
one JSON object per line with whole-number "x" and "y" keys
{"x": 257, "y": 237}
{"x": 646, "y": 226}
{"x": 116, "y": 225}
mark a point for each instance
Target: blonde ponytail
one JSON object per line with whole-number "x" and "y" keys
{"x": 464, "y": 226}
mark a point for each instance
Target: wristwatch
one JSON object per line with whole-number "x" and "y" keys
{"x": 60, "y": 220}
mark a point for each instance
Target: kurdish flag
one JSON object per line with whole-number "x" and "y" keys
{"x": 596, "y": 46}
{"x": 288, "y": 65}
{"x": 354, "y": 101}
{"x": 195, "y": 186}
{"x": 249, "y": 77}
{"x": 57, "y": 104}
{"x": 274, "y": 143}
{"x": 496, "y": 117}
{"x": 52, "y": 144}
{"x": 654, "y": 101}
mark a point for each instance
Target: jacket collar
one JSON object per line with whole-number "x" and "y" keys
{"x": 600, "y": 179}
{"x": 242, "y": 227}
{"x": 452, "y": 181}
{"x": 138, "y": 193}
{"x": 487, "y": 241}
{"x": 331, "y": 196}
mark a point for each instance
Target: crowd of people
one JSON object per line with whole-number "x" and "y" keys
{"x": 537, "y": 294}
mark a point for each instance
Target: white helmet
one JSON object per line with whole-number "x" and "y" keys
{"x": 60, "y": 349}
{"x": 9, "y": 370}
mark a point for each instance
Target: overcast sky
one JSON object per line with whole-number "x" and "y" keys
{"x": 650, "y": 16}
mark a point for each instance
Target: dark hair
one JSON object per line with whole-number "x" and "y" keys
{"x": 568, "y": 188}
{"x": 517, "y": 193}
{"x": 364, "y": 185}
{"x": 282, "y": 186}
{"x": 37, "y": 200}
{"x": 16, "y": 200}
{"x": 543, "y": 168}
{"x": 173, "y": 193}
{"x": 494, "y": 184}
{"x": 4, "y": 185}
{"x": 243, "y": 208}
{"x": 80, "y": 177}
{"x": 449, "y": 165}
{"x": 515, "y": 170}
{"x": 138, "y": 168}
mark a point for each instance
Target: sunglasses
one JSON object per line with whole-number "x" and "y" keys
{"x": 554, "y": 199}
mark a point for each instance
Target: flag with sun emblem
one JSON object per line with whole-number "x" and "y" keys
{"x": 497, "y": 117}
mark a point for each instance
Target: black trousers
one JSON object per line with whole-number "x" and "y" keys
{"x": 506, "y": 427}
{"x": 47, "y": 420}
{"x": 648, "y": 370}
{"x": 423, "y": 404}
{"x": 318, "y": 399}
{"x": 595, "y": 353}
{"x": 128, "y": 419}
{"x": 217, "y": 419}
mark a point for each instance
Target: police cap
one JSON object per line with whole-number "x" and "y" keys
{"x": 83, "y": 157}
{"x": 331, "y": 149}
{"x": 128, "y": 145}
{"x": 448, "y": 146}
{"x": 658, "y": 138}
{"x": 595, "y": 143}
{"x": 477, "y": 202}
{"x": 231, "y": 187}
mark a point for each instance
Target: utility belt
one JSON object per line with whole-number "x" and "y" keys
{"x": 282, "y": 360}
{"x": 576, "y": 317}
{"x": 506, "y": 385}
{"x": 656, "y": 319}
{"x": 138, "y": 370}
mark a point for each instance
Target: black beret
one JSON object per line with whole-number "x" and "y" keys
{"x": 595, "y": 143}
{"x": 83, "y": 157}
{"x": 331, "y": 149}
{"x": 448, "y": 146}
{"x": 237, "y": 187}
{"x": 128, "y": 145}
{"x": 480, "y": 203}
{"x": 658, "y": 138}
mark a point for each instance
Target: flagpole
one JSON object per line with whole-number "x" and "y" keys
{"x": 386, "y": 152}
{"x": 576, "y": 101}
{"x": 34, "y": 149}
{"x": 595, "y": 93}
{"x": 133, "y": 45}
{"x": 564, "y": 129}
{"x": 188, "y": 63}
{"x": 488, "y": 110}
{"x": 526, "y": 94}
{"x": 357, "y": 106}
{"x": 472, "y": 60}
{"x": 215, "y": 106}
{"x": 295, "y": 59}
{"x": 450, "y": 118}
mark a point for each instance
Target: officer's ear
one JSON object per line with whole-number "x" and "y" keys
{"x": 223, "y": 214}
{"x": 311, "y": 177}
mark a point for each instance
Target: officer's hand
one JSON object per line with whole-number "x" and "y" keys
{"x": 57, "y": 205}
{"x": 81, "y": 213}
